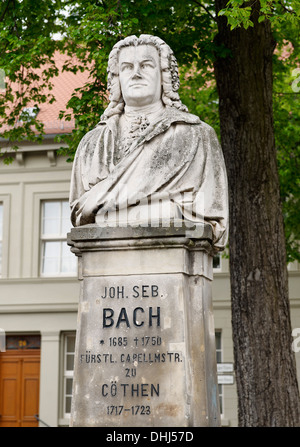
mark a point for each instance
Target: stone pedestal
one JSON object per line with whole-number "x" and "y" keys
{"x": 145, "y": 348}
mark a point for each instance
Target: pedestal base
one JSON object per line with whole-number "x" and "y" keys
{"x": 145, "y": 350}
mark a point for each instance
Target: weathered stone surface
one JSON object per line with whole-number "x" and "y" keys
{"x": 145, "y": 351}
{"x": 149, "y": 202}
{"x": 148, "y": 158}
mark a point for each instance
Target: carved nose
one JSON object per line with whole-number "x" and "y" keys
{"x": 136, "y": 73}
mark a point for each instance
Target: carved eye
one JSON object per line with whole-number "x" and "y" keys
{"x": 127, "y": 67}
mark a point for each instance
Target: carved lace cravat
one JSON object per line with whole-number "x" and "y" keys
{"x": 137, "y": 126}
{"x": 133, "y": 123}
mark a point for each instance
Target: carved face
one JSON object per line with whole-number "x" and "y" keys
{"x": 140, "y": 75}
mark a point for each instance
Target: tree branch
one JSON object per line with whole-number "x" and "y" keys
{"x": 205, "y": 9}
{"x": 290, "y": 11}
{"x": 5, "y": 10}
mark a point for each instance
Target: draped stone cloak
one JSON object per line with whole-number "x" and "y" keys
{"x": 177, "y": 159}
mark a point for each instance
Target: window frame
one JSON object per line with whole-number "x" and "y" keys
{"x": 219, "y": 268}
{"x": 59, "y": 237}
{"x": 220, "y": 386}
{"x": 5, "y": 202}
{"x": 1, "y": 235}
{"x": 65, "y": 375}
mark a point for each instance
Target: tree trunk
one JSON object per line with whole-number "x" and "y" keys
{"x": 264, "y": 361}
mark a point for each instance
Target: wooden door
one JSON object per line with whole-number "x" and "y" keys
{"x": 19, "y": 388}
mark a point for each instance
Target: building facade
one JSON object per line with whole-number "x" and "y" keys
{"x": 38, "y": 287}
{"x": 39, "y": 294}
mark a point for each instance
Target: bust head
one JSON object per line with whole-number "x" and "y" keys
{"x": 141, "y": 71}
{"x": 140, "y": 75}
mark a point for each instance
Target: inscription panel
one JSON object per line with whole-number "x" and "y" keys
{"x": 131, "y": 367}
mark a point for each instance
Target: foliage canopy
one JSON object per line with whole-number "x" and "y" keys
{"x": 86, "y": 30}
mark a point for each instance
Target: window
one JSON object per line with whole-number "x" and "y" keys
{"x": 28, "y": 114}
{"x": 56, "y": 257}
{"x": 68, "y": 368}
{"x": 217, "y": 262}
{"x": 1, "y": 235}
{"x": 218, "y": 337}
